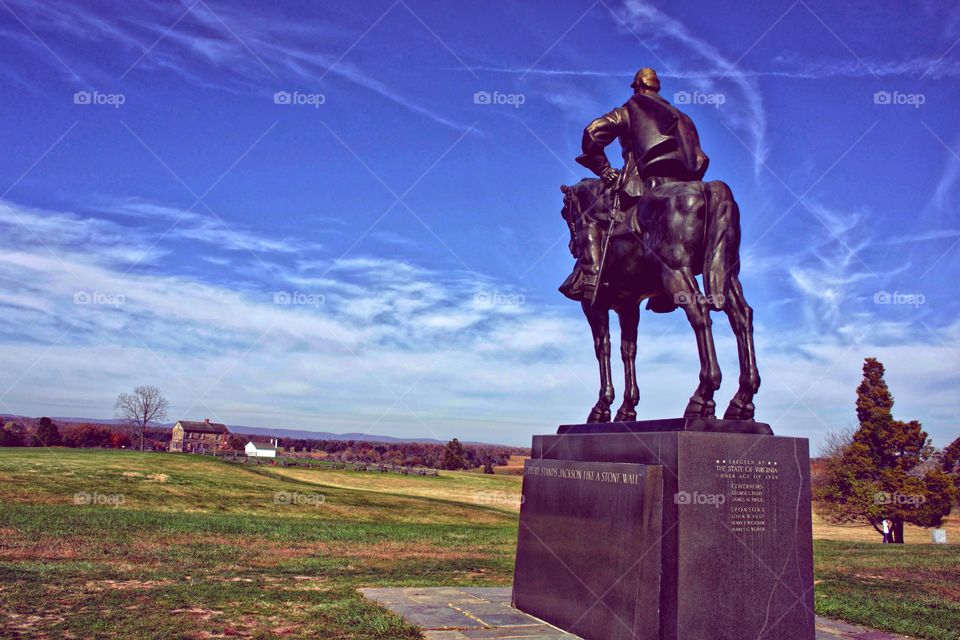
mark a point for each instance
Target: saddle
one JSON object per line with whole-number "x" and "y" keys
{"x": 640, "y": 217}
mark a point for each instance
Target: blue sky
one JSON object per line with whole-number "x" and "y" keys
{"x": 375, "y": 248}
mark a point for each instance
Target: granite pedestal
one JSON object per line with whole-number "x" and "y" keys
{"x": 713, "y": 539}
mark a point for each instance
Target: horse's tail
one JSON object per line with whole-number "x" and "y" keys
{"x": 721, "y": 255}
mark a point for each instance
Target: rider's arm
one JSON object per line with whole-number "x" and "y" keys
{"x": 700, "y": 161}
{"x": 598, "y": 135}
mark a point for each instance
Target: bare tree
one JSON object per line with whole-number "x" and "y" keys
{"x": 836, "y": 442}
{"x": 831, "y": 451}
{"x": 145, "y": 405}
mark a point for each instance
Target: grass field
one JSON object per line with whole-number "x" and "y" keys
{"x": 514, "y": 466}
{"x": 201, "y": 548}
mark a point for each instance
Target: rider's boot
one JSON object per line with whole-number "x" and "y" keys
{"x": 590, "y": 261}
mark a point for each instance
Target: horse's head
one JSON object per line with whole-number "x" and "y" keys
{"x": 584, "y": 197}
{"x": 569, "y": 203}
{"x": 570, "y": 212}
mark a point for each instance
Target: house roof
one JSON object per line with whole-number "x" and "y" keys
{"x": 265, "y": 446}
{"x": 203, "y": 427}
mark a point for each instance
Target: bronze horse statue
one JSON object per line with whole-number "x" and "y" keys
{"x": 679, "y": 230}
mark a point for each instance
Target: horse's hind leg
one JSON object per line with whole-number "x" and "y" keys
{"x": 683, "y": 286}
{"x": 599, "y": 319}
{"x": 629, "y": 320}
{"x": 741, "y": 321}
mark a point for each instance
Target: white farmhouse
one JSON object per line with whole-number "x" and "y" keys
{"x": 261, "y": 449}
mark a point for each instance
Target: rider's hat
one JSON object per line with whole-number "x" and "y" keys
{"x": 646, "y": 77}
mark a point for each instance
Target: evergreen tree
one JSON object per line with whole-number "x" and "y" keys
{"x": 47, "y": 434}
{"x": 876, "y": 476}
{"x": 453, "y": 456}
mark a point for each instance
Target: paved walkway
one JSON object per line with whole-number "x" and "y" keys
{"x": 453, "y": 613}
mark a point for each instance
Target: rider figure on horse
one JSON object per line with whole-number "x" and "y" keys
{"x": 659, "y": 144}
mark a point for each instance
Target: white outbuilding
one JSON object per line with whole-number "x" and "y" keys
{"x": 261, "y": 449}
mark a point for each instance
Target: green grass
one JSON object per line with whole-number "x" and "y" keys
{"x": 908, "y": 589}
{"x": 200, "y": 548}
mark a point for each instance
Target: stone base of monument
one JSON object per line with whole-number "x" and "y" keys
{"x": 472, "y": 613}
{"x": 668, "y": 530}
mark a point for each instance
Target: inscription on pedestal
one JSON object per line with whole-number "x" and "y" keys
{"x": 748, "y": 484}
{"x": 588, "y": 554}
{"x": 577, "y": 472}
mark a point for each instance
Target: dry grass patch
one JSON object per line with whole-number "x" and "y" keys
{"x": 29, "y": 626}
{"x": 823, "y": 530}
{"x": 125, "y": 585}
{"x": 514, "y": 466}
{"x": 270, "y": 554}
{"x": 466, "y": 488}
{"x": 43, "y": 549}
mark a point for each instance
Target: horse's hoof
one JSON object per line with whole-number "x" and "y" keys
{"x": 598, "y": 416}
{"x": 627, "y": 415}
{"x": 700, "y": 408}
{"x": 737, "y": 411}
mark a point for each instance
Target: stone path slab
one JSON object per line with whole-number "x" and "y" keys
{"x": 483, "y": 613}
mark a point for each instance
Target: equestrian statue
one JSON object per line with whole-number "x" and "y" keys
{"x": 645, "y": 232}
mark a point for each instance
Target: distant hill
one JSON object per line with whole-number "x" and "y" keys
{"x": 261, "y": 431}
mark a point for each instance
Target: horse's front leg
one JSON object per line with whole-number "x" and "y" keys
{"x": 599, "y": 319}
{"x": 629, "y": 320}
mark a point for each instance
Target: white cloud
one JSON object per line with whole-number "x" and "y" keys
{"x": 654, "y": 24}
{"x": 399, "y": 349}
{"x": 945, "y": 195}
{"x": 243, "y": 46}
{"x": 203, "y": 226}
{"x": 778, "y": 67}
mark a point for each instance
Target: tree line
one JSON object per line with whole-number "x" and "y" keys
{"x": 44, "y": 432}
{"x": 451, "y": 456}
